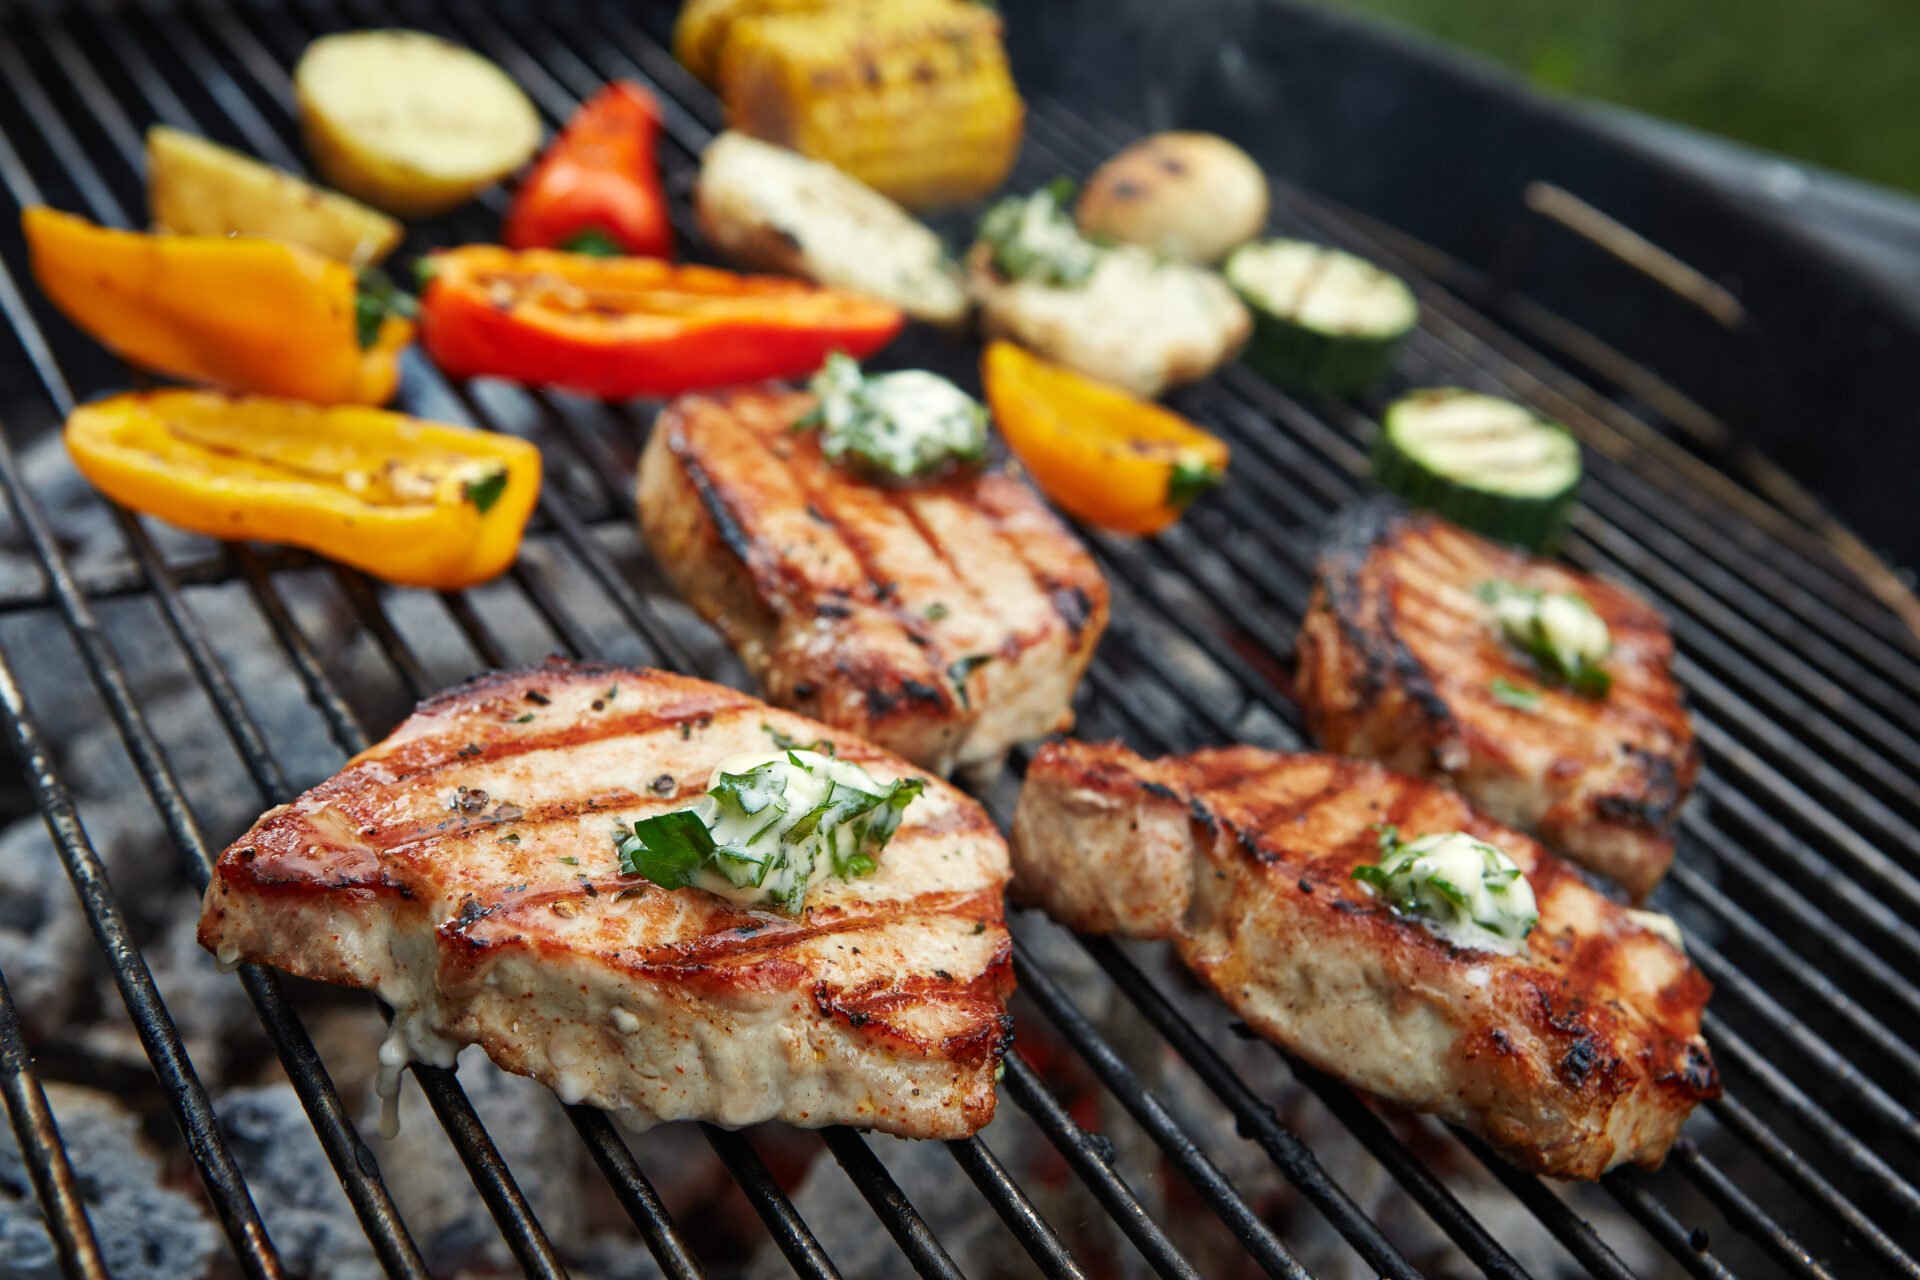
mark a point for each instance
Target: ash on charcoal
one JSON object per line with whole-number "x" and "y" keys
{"x": 210, "y": 1008}
{"x": 294, "y": 1185}
{"x": 44, "y": 943}
{"x": 146, "y": 1230}
{"x": 431, "y": 1186}
{"x": 955, "y": 1211}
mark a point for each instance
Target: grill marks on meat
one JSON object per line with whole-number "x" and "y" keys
{"x": 1398, "y": 660}
{"x": 1579, "y": 1056}
{"x": 465, "y": 869}
{"x": 945, "y": 621}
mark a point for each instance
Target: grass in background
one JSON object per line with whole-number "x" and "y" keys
{"x": 1836, "y": 82}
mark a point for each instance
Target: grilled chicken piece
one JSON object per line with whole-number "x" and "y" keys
{"x": 465, "y": 869}
{"x": 945, "y": 621}
{"x": 1399, "y": 661}
{"x": 1581, "y": 1055}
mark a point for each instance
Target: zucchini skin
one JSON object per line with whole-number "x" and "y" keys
{"x": 1531, "y": 522}
{"x": 1297, "y": 358}
{"x": 1301, "y": 357}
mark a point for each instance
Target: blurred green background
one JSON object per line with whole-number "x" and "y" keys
{"x": 1834, "y": 82}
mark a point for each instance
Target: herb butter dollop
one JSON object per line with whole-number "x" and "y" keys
{"x": 1033, "y": 237}
{"x": 771, "y": 826}
{"x": 904, "y": 424}
{"x": 1563, "y": 634}
{"x": 1463, "y": 890}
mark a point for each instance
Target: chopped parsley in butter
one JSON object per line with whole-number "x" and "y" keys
{"x": 904, "y": 424}
{"x": 1463, "y": 890}
{"x": 1559, "y": 630}
{"x": 1033, "y": 237}
{"x": 771, "y": 826}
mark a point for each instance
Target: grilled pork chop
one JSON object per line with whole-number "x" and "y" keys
{"x": 1401, "y": 662}
{"x": 1581, "y": 1054}
{"x": 945, "y": 621}
{"x": 465, "y": 869}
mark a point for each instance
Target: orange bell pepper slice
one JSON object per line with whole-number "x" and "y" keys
{"x": 1104, "y": 457}
{"x": 236, "y": 312}
{"x": 417, "y": 503}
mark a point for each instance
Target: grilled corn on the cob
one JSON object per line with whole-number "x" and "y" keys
{"x": 701, "y": 31}
{"x": 912, "y": 97}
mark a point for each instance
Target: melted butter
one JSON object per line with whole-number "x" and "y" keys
{"x": 906, "y": 423}
{"x": 805, "y": 789}
{"x": 1562, "y": 621}
{"x": 386, "y": 1077}
{"x": 410, "y": 1038}
{"x": 1463, "y": 890}
{"x": 1576, "y": 632}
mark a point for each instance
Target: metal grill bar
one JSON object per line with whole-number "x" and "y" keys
{"x": 1741, "y": 1208}
{"x": 350, "y": 1157}
{"x": 1258, "y": 1238}
{"x": 788, "y": 1228}
{"x": 1011, "y": 1203}
{"x": 1092, "y": 1158}
{"x": 1802, "y": 1175}
{"x": 753, "y": 1179}
{"x": 1293, "y": 1157}
{"x": 43, "y": 1153}
{"x": 1688, "y": 1248}
{"x": 1637, "y": 1201}
{"x": 1856, "y": 663}
{"x": 890, "y": 1204}
{"x": 1574, "y": 1233}
{"x": 193, "y": 1110}
{"x": 613, "y": 477}
{"x": 636, "y": 1193}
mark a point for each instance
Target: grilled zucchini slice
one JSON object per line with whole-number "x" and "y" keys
{"x": 1485, "y": 463}
{"x": 1324, "y": 320}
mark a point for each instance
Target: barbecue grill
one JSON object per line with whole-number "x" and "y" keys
{"x": 1797, "y": 880}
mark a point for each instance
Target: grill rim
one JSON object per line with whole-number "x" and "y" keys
{"x": 371, "y": 611}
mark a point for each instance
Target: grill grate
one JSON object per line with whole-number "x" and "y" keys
{"x": 1797, "y": 876}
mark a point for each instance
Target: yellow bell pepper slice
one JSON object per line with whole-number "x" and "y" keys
{"x": 246, "y": 314}
{"x": 423, "y": 504}
{"x": 1123, "y": 464}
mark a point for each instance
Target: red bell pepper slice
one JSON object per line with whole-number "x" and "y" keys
{"x": 617, "y": 328}
{"x": 597, "y": 189}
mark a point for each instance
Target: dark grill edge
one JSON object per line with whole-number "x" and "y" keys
{"x": 1816, "y": 831}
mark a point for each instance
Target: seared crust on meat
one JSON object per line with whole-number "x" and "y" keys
{"x": 465, "y": 869}
{"x": 1581, "y": 1055}
{"x": 1398, "y": 660}
{"x": 945, "y": 621}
